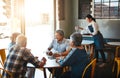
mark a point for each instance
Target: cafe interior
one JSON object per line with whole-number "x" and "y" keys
{"x": 39, "y": 19}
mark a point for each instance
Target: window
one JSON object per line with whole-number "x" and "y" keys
{"x": 107, "y": 9}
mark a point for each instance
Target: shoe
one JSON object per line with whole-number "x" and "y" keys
{"x": 102, "y": 65}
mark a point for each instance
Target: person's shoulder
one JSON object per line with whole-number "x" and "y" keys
{"x": 94, "y": 23}
{"x": 80, "y": 50}
{"x": 24, "y": 49}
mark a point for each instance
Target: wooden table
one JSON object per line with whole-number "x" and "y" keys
{"x": 114, "y": 43}
{"x": 50, "y": 63}
{"x": 89, "y": 43}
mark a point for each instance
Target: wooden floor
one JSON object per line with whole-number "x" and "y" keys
{"x": 105, "y": 72}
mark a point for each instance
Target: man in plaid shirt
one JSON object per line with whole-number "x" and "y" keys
{"x": 18, "y": 57}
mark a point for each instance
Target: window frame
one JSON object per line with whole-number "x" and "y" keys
{"x": 113, "y": 11}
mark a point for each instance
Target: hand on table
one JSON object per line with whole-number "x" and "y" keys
{"x": 56, "y": 55}
{"x": 59, "y": 58}
{"x": 43, "y": 62}
{"x": 49, "y": 53}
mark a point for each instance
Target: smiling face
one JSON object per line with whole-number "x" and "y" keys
{"x": 58, "y": 37}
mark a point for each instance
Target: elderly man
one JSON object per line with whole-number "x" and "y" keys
{"x": 18, "y": 57}
{"x": 59, "y": 45}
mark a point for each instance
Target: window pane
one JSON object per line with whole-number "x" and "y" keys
{"x": 105, "y": 0}
{"x": 114, "y": 4}
{"x": 113, "y": 9}
{"x": 114, "y": 12}
{"x": 119, "y": 12}
{"x": 105, "y": 10}
{"x": 97, "y": 10}
{"x": 113, "y": 0}
{"x": 97, "y": 0}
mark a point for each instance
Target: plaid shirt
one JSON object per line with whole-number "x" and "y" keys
{"x": 17, "y": 60}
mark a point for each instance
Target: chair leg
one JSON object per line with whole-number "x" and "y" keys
{"x": 118, "y": 69}
{"x": 52, "y": 74}
{"x": 113, "y": 67}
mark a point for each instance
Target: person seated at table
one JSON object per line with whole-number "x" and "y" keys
{"x": 13, "y": 39}
{"x": 30, "y": 71}
{"x": 18, "y": 57}
{"x": 77, "y": 58}
{"x": 58, "y": 47}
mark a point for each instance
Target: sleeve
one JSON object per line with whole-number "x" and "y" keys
{"x": 69, "y": 59}
{"x": 28, "y": 56}
{"x": 95, "y": 28}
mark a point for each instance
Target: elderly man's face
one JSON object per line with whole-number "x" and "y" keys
{"x": 58, "y": 37}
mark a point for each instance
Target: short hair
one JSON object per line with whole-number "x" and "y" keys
{"x": 14, "y": 36}
{"x": 61, "y": 32}
{"x": 21, "y": 40}
{"x": 76, "y": 38}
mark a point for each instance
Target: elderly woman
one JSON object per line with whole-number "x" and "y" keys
{"x": 77, "y": 58}
{"x": 18, "y": 57}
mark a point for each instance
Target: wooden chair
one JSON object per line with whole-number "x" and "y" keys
{"x": 2, "y": 55}
{"x": 65, "y": 69}
{"x": 93, "y": 64}
{"x": 117, "y": 61}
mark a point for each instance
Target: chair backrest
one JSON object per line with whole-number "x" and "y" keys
{"x": 117, "y": 51}
{"x": 2, "y": 55}
{"x": 2, "y": 69}
{"x": 93, "y": 65}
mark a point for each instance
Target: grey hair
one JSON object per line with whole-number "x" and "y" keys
{"x": 21, "y": 40}
{"x": 76, "y": 38}
{"x": 14, "y": 36}
{"x": 61, "y": 32}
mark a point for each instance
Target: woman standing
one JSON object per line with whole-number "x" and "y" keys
{"x": 93, "y": 29}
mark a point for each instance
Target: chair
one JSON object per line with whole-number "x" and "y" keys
{"x": 93, "y": 64}
{"x": 2, "y": 55}
{"x": 65, "y": 69}
{"x": 10, "y": 74}
{"x": 117, "y": 60}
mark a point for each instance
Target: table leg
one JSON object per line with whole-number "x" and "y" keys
{"x": 91, "y": 52}
{"x": 44, "y": 71}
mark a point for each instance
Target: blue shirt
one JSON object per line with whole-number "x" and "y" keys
{"x": 77, "y": 59}
{"x": 59, "y": 46}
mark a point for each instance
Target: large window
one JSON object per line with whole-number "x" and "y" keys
{"x": 109, "y": 9}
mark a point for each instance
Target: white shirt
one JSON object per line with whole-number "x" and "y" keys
{"x": 95, "y": 28}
